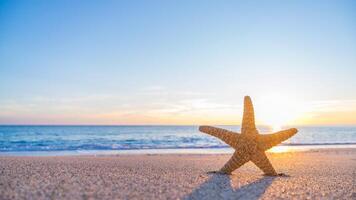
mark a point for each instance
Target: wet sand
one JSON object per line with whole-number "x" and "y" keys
{"x": 317, "y": 174}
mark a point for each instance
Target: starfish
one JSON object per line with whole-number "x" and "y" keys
{"x": 249, "y": 145}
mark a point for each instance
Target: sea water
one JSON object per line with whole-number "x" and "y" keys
{"x": 61, "y": 140}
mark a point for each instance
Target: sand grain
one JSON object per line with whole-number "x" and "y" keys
{"x": 326, "y": 174}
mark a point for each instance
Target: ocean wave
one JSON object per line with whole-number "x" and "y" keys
{"x": 42, "y": 147}
{"x": 76, "y": 138}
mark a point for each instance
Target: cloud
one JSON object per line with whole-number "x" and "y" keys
{"x": 334, "y": 105}
{"x": 158, "y": 105}
{"x": 329, "y": 112}
{"x": 150, "y": 104}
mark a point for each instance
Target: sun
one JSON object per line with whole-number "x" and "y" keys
{"x": 276, "y": 127}
{"x": 280, "y": 149}
{"x": 276, "y": 110}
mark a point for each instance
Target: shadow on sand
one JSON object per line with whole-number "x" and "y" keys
{"x": 222, "y": 187}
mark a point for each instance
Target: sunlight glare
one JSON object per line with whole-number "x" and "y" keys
{"x": 280, "y": 149}
{"x": 276, "y": 127}
{"x": 277, "y": 110}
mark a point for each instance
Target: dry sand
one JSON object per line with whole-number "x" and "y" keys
{"x": 322, "y": 174}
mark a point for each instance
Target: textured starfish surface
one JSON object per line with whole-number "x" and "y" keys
{"x": 249, "y": 145}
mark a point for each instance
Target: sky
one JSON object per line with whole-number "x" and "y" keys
{"x": 177, "y": 62}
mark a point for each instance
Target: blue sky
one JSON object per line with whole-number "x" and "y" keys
{"x": 175, "y": 62}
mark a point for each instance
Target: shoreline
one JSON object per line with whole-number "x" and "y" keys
{"x": 319, "y": 174}
{"x": 203, "y": 151}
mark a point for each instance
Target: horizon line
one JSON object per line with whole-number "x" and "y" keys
{"x": 298, "y": 125}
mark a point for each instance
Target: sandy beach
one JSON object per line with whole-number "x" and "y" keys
{"x": 317, "y": 174}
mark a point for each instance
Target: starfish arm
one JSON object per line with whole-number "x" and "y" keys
{"x": 236, "y": 161}
{"x": 228, "y": 137}
{"x": 261, "y": 161}
{"x": 248, "y": 120}
{"x": 269, "y": 140}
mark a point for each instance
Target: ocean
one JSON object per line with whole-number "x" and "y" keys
{"x": 61, "y": 140}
